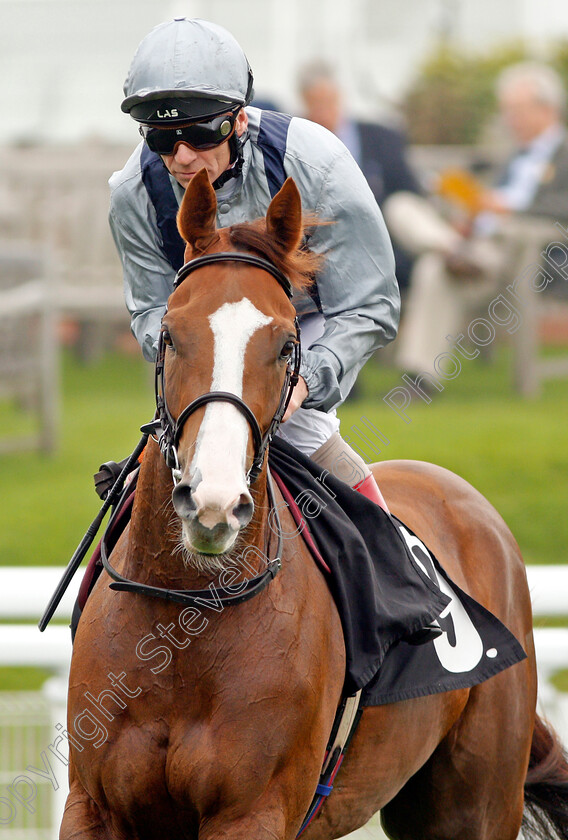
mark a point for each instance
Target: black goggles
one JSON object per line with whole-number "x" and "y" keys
{"x": 200, "y": 136}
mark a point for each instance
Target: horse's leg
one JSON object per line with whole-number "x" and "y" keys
{"x": 81, "y": 818}
{"x": 261, "y": 825}
{"x": 276, "y": 814}
{"x": 390, "y": 744}
{"x": 472, "y": 786}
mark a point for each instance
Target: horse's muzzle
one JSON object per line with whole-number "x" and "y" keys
{"x": 210, "y": 525}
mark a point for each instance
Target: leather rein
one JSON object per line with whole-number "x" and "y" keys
{"x": 168, "y": 432}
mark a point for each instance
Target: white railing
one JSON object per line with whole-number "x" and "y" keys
{"x": 24, "y": 593}
{"x": 549, "y": 594}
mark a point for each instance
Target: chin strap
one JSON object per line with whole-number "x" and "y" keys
{"x": 236, "y": 145}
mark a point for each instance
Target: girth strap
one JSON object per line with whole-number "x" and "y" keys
{"x": 343, "y": 729}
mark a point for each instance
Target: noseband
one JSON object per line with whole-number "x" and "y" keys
{"x": 169, "y": 430}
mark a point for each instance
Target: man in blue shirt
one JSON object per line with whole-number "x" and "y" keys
{"x": 457, "y": 275}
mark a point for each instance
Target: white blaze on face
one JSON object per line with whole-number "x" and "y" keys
{"x": 220, "y": 453}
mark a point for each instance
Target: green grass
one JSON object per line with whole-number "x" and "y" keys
{"x": 560, "y": 680}
{"x": 22, "y": 679}
{"x": 513, "y": 450}
{"x": 48, "y": 501}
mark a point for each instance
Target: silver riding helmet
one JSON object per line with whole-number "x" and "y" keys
{"x": 186, "y": 70}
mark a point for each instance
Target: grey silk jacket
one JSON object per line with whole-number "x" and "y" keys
{"x": 357, "y": 289}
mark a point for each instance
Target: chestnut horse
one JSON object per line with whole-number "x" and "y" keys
{"x": 212, "y": 722}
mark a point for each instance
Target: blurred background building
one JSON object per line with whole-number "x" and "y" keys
{"x": 63, "y": 62}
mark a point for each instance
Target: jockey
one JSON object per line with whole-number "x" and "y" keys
{"x": 189, "y": 88}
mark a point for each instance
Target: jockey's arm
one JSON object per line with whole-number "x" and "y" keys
{"x": 357, "y": 286}
{"x": 148, "y": 276}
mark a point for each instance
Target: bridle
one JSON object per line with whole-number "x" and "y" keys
{"x": 169, "y": 430}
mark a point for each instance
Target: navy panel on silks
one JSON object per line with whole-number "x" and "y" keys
{"x": 156, "y": 179}
{"x": 272, "y": 139}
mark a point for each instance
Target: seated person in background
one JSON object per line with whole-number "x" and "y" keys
{"x": 456, "y": 273}
{"x": 379, "y": 151}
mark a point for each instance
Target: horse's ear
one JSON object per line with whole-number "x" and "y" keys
{"x": 284, "y": 217}
{"x": 196, "y": 216}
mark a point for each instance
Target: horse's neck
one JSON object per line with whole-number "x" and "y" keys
{"x": 154, "y": 555}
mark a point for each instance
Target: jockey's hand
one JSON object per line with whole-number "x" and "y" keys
{"x": 299, "y": 394}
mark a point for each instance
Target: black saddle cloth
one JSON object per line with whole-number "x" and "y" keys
{"x": 386, "y": 585}
{"x": 381, "y": 594}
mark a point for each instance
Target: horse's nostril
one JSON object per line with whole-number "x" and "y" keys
{"x": 243, "y": 510}
{"x": 183, "y": 501}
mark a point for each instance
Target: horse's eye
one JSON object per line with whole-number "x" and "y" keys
{"x": 287, "y": 350}
{"x": 166, "y": 337}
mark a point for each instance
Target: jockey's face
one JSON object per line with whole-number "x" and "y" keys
{"x": 186, "y": 162}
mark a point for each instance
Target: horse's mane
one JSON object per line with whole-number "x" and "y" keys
{"x": 300, "y": 266}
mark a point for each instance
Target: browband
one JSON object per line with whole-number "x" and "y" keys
{"x": 234, "y": 256}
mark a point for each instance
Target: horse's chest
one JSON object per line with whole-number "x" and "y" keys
{"x": 187, "y": 720}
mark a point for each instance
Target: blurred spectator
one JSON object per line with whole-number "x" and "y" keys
{"x": 458, "y": 271}
{"x": 379, "y": 151}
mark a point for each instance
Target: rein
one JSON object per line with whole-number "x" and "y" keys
{"x": 213, "y": 596}
{"x": 169, "y": 430}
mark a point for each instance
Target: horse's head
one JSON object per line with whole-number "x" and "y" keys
{"x": 229, "y": 334}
